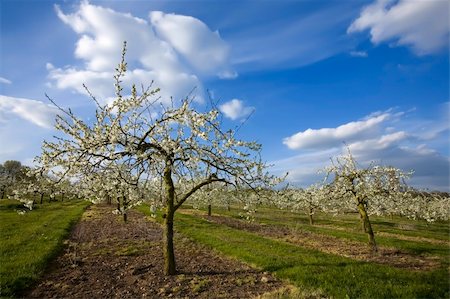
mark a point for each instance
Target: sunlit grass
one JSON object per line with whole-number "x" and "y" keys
{"x": 348, "y": 227}
{"x": 29, "y": 241}
{"x": 314, "y": 271}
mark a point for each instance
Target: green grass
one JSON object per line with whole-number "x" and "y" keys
{"x": 348, "y": 227}
{"x": 30, "y": 241}
{"x": 313, "y": 270}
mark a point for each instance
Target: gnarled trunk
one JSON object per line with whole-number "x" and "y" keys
{"x": 367, "y": 226}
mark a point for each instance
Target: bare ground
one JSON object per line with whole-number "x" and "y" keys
{"x": 329, "y": 244}
{"x": 107, "y": 258}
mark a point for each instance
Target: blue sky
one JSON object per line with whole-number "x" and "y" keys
{"x": 313, "y": 74}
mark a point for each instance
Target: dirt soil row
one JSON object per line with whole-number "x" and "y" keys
{"x": 329, "y": 244}
{"x": 107, "y": 258}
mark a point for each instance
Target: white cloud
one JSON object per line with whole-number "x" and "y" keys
{"x": 171, "y": 50}
{"x": 303, "y": 168}
{"x": 422, "y": 25}
{"x": 202, "y": 48}
{"x": 379, "y": 143}
{"x": 4, "y": 81}
{"x": 330, "y": 137}
{"x": 235, "y": 109}
{"x": 358, "y": 54}
{"x": 397, "y": 139}
{"x": 36, "y": 112}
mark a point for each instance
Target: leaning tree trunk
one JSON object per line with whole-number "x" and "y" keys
{"x": 361, "y": 219}
{"x": 169, "y": 254}
{"x": 367, "y": 226}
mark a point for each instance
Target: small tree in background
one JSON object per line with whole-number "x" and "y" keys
{"x": 309, "y": 200}
{"x": 11, "y": 173}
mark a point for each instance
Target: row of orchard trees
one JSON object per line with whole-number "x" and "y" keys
{"x": 374, "y": 190}
{"x": 30, "y": 186}
{"x": 137, "y": 149}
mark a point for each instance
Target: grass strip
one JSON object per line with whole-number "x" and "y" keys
{"x": 30, "y": 241}
{"x": 350, "y": 223}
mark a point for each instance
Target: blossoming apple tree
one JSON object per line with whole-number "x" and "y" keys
{"x": 365, "y": 187}
{"x": 174, "y": 142}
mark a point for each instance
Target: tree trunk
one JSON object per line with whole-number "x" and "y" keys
{"x": 209, "y": 210}
{"x": 125, "y": 207}
{"x": 362, "y": 223}
{"x": 42, "y": 198}
{"x": 169, "y": 254}
{"x": 367, "y": 226}
{"x": 3, "y": 194}
{"x": 311, "y": 213}
{"x": 228, "y": 207}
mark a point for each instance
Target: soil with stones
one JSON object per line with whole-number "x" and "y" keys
{"x": 329, "y": 244}
{"x": 107, "y": 258}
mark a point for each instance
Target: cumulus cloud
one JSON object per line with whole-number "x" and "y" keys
{"x": 235, "y": 109}
{"x": 303, "y": 169}
{"x": 36, "y": 112}
{"x": 422, "y": 25}
{"x": 387, "y": 138}
{"x": 380, "y": 143}
{"x": 173, "y": 51}
{"x": 4, "y": 81}
{"x": 330, "y": 137}
{"x": 203, "y": 49}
